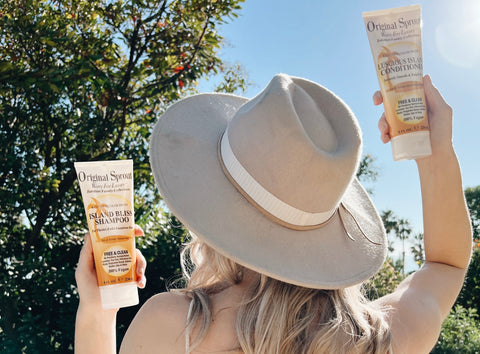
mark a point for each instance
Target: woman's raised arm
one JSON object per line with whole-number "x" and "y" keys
{"x": 424, "y": 299}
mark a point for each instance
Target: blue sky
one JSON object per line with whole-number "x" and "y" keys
{"x": 325, "y": 41}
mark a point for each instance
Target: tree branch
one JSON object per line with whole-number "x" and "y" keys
{"x": 45, "y": 205}
{"x": 159, "y": 13}
{"x": 131, "y": 59}
{"x": 186, "y": 64}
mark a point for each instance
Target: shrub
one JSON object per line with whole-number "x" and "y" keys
{"x": 460, "y": 332}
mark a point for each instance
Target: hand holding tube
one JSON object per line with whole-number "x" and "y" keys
{"x": 447, "y": 230}
{"x": 86, "y": 277}
{"x": 440, "y": 119}
{"x": 95, "y": 327}
{"x": 430, "y": 292}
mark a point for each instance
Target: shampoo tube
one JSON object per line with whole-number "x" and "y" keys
{"x": 107, "y": 192}
{"x": 396, "y": 42}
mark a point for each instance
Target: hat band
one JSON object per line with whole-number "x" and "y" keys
{"x": 260, "y": 197}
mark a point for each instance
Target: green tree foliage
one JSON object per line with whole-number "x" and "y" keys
{"x": 470, "y": 294}
{"x": 417, "y": 249}
{"x": 401, "y": 230}
{"x": 460, "y": 333}
{"x": 472, "y": 195}
{"x": 84, "y": 80}
{"x": 384, "y": 282}
{"x": 367, "y": 171}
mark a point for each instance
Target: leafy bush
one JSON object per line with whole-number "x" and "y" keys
{"x": 460, "y": 333}
{"x": 384, "y": 282}
{"x": 84, "y": 80}
{"x": 470, "y": 294}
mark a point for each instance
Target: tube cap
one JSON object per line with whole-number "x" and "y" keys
{"x": 119, "y": 295}
{"x": 411, "y": 146}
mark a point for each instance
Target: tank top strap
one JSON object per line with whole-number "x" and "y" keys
{"x": 187, "y": 332}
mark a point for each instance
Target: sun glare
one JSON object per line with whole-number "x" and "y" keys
{"x": 458, "y": 41}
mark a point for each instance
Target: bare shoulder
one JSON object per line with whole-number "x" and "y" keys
{"x": 159, "y": 326}
{"x": 419, "y": 306}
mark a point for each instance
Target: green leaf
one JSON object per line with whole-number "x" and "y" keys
{"x": 6, "y": 66}
{"x": 54, "y": 87}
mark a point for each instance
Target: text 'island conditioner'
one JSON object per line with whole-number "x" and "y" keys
{"x": 395, "y": 37}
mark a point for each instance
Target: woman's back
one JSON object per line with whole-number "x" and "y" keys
{"x": 261, "y": 315}
{"x": 414, "y": 317}
{"x": 160, "y": 326}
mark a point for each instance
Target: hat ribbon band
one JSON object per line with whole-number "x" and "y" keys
{"x": 260, "y": 197}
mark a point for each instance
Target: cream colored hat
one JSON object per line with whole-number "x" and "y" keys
{"x": 270, "y": 182}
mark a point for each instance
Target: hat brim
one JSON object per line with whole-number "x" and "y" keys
{"x": 187, "y": 171}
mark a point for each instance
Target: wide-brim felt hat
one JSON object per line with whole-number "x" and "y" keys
{"x": 270, "y": 182}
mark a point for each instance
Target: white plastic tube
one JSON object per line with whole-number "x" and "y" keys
{"x": 395, "y": 37}
{"x": 107, "y": 192}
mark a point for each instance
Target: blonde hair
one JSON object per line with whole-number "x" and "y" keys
{"x": 276, "y": 317}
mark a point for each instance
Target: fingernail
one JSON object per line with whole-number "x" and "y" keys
{"x": 139, "y": 231}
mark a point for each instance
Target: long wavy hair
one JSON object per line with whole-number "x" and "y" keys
{"x": 275, "y": 317}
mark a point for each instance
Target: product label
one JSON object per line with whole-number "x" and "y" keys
{"x": 109, "y": 217}
{"x": 400, "y": 66}
{"x": 410, "y": 109}
{"x": 107, "y": 191}
{"x": 395, "y": 40}
{"x": 116, "y": 260}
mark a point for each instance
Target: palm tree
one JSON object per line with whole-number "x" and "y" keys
{"x": 400, "y": 228}
{"x": 403, "y": 231}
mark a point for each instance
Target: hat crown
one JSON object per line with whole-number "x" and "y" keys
{"x": 299, "y": 142}
{"x": 210, "y": 152}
